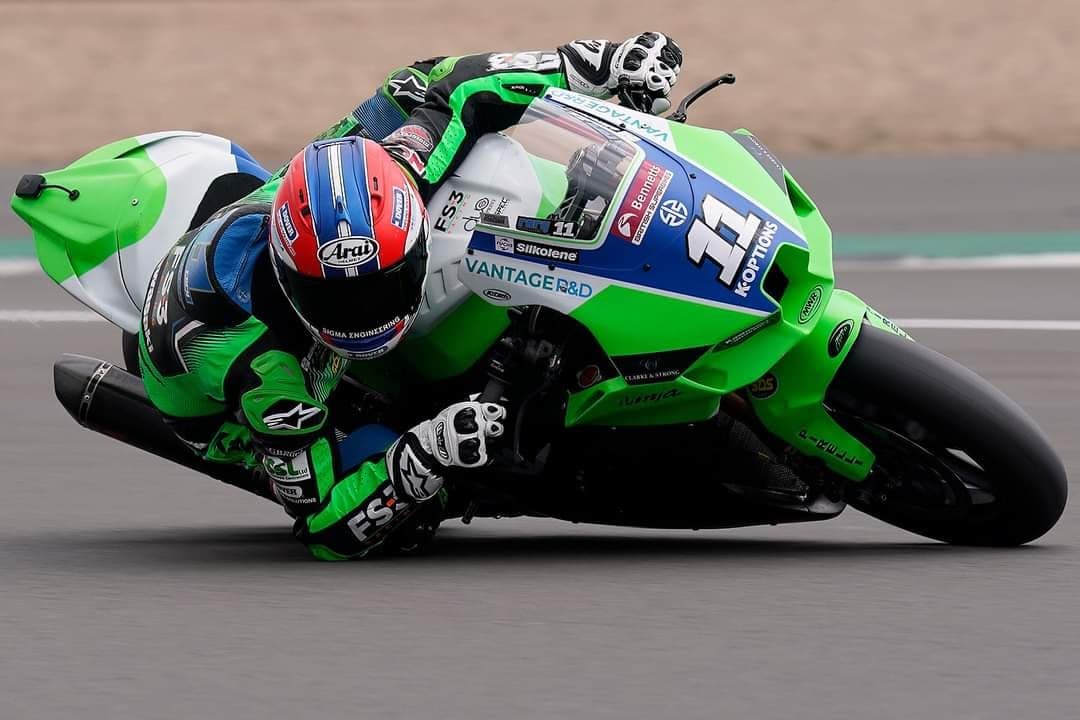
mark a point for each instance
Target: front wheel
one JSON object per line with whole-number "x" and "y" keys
{"x": 956, "y": 459}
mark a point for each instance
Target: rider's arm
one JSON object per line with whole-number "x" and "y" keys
{"x": 476, "y": 94}
{"x": 350, "y": 493}
{"x": 337, "y": 488}
{"x": 401, "y": 92}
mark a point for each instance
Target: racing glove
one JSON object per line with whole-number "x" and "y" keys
{"x": 455, "y": 438}
{"x": 641, "y": 71}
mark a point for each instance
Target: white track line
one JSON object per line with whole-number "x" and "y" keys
{"x": 989, "y": 262}
{"x": 35, "y": 317}
{"x": 14, "y": 268}
{"x": 981, "y": 324}
{"x": 19, "y": 267}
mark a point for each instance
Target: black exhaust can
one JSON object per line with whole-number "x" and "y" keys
{"x": 107, "y": 399}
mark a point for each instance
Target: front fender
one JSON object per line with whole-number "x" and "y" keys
{"x": 789, "y": 399}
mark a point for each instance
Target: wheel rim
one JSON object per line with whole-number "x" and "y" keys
{"x": 921, "y": 480}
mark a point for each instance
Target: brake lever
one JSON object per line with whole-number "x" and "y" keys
{"x": 679, "y": 115}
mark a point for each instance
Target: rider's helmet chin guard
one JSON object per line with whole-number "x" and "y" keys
{"x": 348, "y": 244}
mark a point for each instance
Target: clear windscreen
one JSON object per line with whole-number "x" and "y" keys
{"x": 580, "y": 165}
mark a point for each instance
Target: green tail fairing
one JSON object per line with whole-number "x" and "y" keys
{"x": 121, "y": 195}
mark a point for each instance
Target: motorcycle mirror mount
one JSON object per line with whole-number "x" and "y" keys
{"x": 679, "y": 115}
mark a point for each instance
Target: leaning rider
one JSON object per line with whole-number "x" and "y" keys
{"x": 241, "y": 347}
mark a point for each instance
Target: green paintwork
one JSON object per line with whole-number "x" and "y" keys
{"x": 73, "y": 237}
{"x": 449, "y": 349}
{"x": 455, "y": 344}
{"x": 724, "y": 157}
{"x": 795, "y": 412}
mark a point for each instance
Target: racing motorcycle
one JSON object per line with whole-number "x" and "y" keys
{"x": 653, "y": 301}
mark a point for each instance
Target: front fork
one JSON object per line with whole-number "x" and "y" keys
{"x": 789, "y": 400}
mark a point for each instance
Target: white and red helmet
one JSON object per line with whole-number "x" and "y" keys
{"x": 348, "y": 242}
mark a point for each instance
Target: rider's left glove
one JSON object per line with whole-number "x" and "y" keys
{"x": 641, "y": 70}
{"x": 455, "y": 438}
{"x": 644, "y": 69}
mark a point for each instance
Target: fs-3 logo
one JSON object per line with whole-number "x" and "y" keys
{"x": 752, "y": 235}
{"x": 532, "y": 61}
{"x": 376, "y": 513}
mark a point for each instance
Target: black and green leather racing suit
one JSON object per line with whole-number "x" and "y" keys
{"x": 228, "y": 364}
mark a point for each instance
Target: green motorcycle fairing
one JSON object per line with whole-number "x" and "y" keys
{"x": 136, "y": 197}
{"x": 702, "y": 269}
{"x": 710, "y": 270}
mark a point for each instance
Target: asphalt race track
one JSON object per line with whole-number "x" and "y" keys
{"x": 130, "y": 588}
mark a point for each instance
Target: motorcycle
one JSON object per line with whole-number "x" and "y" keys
{"x": 655, "y": 303}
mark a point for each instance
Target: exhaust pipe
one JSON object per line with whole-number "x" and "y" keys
{"x": 109, "y": 400}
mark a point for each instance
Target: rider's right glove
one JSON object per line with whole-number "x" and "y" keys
{"x": 456, "y": 437}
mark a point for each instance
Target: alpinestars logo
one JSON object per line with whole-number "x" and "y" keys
{"x": 416, "y": 479}
{"x": 407, "y": 85}
{"x": 296, "y": 418}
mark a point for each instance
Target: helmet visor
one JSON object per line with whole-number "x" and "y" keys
{"x": 361, "y": 307}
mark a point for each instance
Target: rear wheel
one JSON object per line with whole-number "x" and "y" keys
{"x": 956, "y": 459}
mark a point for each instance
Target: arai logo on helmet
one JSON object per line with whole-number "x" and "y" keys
{"x": 348, "y": 252}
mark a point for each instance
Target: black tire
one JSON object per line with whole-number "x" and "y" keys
{"x": 912, "y": 406}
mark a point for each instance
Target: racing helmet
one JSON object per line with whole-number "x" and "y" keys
{"x": 348, "y": 244}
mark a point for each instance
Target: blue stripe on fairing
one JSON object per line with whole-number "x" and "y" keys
{"x": 363, "y": 443}
{"x": 245, "y": 163}
{"x": 660, "y": 261}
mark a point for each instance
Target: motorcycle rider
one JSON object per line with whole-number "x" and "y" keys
{"x": 251, "y": 319}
